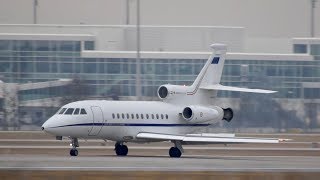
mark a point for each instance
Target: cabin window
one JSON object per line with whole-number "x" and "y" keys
{"x": 118, "y": 116}
{"x": 83, "y": 111}
{"x": 137, "y": 115}
{"x": 152, "y": 115}
{"x": 69, "y": 111}
{"x": 122, "y": 116}
{"x": 141, "y": 116}
{"x": 113, "y": 116}
{"x": 157, "y": 116}
{"x": 161, "y": 116}
{"x": 147, "y": 116}
{"x": 76, "y": 112}
{"x": 128, "y": 116}
{"x": 132, "y": 116}
{"x": 62, "y": 110}
{"x": 167, "y": 116}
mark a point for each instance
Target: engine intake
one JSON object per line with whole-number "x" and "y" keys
{"x": 187, "y": 113}
{"x": 163, "y": 92}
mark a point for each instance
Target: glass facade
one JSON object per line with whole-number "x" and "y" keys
{"x": 315, "y": 51}
{"x": 24, "y": 61}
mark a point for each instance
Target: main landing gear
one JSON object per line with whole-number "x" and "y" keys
{"x": 177, "y": 150}
{"x": 121, "y": 149}
{"x": 74, "y": 144}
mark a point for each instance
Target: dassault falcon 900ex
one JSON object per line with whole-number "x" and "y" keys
{"x": 181, "y": 113}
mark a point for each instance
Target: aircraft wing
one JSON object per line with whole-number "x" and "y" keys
{"x": 230, "y": 88}
{"x": 207, "y": 138}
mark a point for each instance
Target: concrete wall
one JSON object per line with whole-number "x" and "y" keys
{"x": 153, "y": 38}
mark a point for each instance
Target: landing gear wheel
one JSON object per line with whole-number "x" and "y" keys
{"x": 174, "y": 152}
{"x": 121, "y": 150}
{"x": 73, "y": 152}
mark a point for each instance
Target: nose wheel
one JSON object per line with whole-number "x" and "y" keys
{"x": 74, "y": 144}
{"x": 121, "y": 149}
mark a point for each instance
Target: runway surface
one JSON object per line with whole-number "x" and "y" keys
{"x": 33, "y": 154}
{"x": 161, "y": 163}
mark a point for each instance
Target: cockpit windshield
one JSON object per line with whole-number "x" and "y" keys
{"x": 69, "y": 111}
{"x": 72, "y": 111}
{"x": 61, "y": 111}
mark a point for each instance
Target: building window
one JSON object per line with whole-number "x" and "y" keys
{"x": 315, "y": 49}
{"x": 300, "y": 48}
{"x": 89, "y": 45}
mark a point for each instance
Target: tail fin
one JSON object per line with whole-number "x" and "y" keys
{"x": 212, "y": 70}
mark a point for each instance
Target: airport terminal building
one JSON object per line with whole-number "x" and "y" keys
{"x": 103, "y": 60}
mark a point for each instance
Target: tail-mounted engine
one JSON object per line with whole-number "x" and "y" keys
{"x": 166, "y": 92}
{"x": 227, "y": 114}
{"x": 198, "y": 114}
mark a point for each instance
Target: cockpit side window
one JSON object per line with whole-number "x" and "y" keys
{"x": 83, "y": 111}
{"x": 69, "y": 111}
{"x": 62, "y": 110}
{"x": 76, "y": 112}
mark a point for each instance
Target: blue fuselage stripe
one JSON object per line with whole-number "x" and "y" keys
{"x": 134, "y": 124}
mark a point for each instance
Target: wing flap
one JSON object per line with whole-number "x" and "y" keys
{"x": 209, "y": 138}
{"x": 230, "y": 88}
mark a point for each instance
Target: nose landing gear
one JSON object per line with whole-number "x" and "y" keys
{"x": 74, "y": 144}
{"x": 121, "y": 149}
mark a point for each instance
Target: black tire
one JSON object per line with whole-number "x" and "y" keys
{"x": 121, "y": 150}
{"x": 125, "y": 150}
{"x": 73, "y": 152}
{"x": 174, "y": 152}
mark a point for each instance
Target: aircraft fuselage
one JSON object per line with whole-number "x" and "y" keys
{"x": 121, "y": 120}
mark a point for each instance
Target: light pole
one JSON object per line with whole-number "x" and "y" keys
{"x": 313, "y": 6}
{"x": 35, "y": 5}
{"x": 127, "y": 12}
{"x": 138, "y": 63}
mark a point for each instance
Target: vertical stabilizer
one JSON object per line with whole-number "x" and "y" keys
{"x": 212, "y": 70}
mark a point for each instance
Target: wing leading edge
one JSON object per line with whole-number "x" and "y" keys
{"x": 207, "y": 138}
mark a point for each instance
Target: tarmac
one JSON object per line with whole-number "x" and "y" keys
{"x": 34, "y": 155}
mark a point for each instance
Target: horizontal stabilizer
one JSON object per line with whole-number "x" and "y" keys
{"x": 230, "y": 88}
{"x": 201, "y": 138}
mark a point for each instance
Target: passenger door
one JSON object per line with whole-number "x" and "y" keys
{"x": 98, "y": 120}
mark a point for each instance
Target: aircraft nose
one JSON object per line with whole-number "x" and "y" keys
{"x": 44, "y": 126}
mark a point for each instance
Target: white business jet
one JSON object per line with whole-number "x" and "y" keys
{"x": 181, "y": 112}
